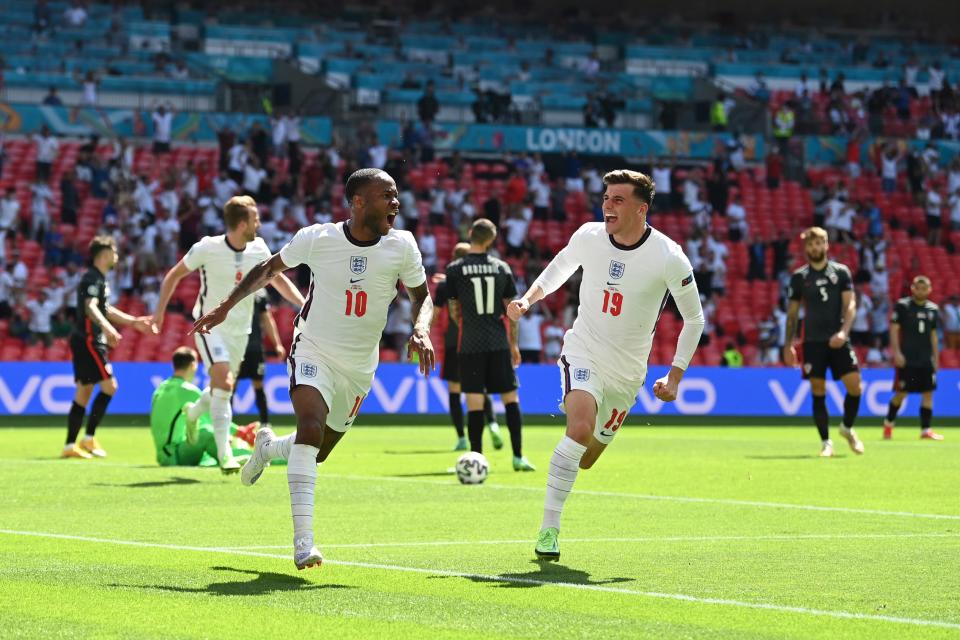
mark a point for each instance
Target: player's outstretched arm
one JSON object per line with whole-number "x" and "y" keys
{"x": 167, "y": 287}
{"x": 256, "y": 278}
{"x": 288, "y": 290}
{"x": 420, "y": 339}
{"x": 97, "y": 318}
{"x": 520, "y": 306}
{"x": 143, "y": 324}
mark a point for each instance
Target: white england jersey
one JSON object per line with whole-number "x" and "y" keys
{"x": 221, "y": 268}
{"x": 622, "y": 293}
{"x": 351, "y": 287}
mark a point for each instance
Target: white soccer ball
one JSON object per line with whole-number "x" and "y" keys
{"x": 472, "y": 468}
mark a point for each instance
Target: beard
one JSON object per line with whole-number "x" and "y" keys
{"x": 816, "y": 256}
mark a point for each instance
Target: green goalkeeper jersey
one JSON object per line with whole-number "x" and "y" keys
{"x": 167, "y": 421}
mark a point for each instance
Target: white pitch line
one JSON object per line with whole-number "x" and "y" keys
{"x": 783, "y": 537}
{"x": 643, "y": 496}
{"x": 579, "y": 492}
{"x": 681, "y": 597}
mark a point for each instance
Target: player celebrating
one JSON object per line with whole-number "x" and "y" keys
{"x": 826, "y": 290}
{"x": 93, "y": 334}
{"x": 223, "y": 261}
{"x": 916, "y": 351}
{"x": 450, "y": 370}
{"x": 629, "y": 269}
{"x": 355, "y": 267}
{"x": 252, "y": 368}
{"x": 480, "y": 288}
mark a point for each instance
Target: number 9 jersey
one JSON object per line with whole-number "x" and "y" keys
{"x": 351, "y": 286}
{"x": 623, "y": 291}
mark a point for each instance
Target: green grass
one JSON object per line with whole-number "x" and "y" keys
{"x": 678, "y": 532}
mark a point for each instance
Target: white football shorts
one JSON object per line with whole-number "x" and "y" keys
{"x": 614, "y": 398}
{"x": 221, "y": 346}
{"x": 343, "y": 391}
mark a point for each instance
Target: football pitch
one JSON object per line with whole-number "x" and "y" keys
{"x": 678, "y": 532}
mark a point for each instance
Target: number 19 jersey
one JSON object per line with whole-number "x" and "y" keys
{"x": 351, "y": 287}
{"x": 623, "y": 291}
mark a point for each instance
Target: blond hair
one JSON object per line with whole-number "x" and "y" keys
{"x": 237, "y": 210}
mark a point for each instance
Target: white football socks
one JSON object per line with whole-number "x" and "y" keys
{"x": 564, "y": 464}
{"x": 301, "y": 478}
{"x": 200, "y": 407}
{"x": 280, "y": 447}
{"x": 221, "y": 413}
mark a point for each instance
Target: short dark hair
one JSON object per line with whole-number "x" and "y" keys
{"x": 643, "y": 187}
{"x": 237, "y": 210}
{"x": 183, "y": 357}
{"x": 99, "y": 244}
{"x": 361, "y": 178}
{"x": 922, "y": 278}
{"x": 482, "y": 231}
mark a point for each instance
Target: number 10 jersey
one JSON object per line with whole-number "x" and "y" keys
{"x": 351, "y": 287}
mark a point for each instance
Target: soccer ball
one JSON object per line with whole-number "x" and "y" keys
{"x": 472, "y": 468}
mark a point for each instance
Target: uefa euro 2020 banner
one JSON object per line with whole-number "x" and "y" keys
{"x": 44, "y": 388}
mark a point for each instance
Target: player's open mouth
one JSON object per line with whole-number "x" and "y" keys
{"x": 390, "y": 218}
{"x": 609, "y": 218}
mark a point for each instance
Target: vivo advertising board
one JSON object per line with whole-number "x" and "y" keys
{"x": 43, "y": 388}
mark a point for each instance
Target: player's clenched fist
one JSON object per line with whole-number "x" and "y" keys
{"x": 665, "y": 390}
{"x": 517, "y": 308}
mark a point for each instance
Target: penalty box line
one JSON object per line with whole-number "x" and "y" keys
{"x": 680, "y": 597}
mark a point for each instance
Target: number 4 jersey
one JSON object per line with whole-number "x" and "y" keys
{"x": 351, "y": 287}
{"x": 623, "y": 291}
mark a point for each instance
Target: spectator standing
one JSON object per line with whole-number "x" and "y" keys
{"x": 736, "y": 220}
{"x": 41, "y": 312}
{"x": 427, "y": 105}
{"x": 9, "y": 214}
{"x": 880, "y": 319}
{"x": 47, "y": 149}
{"x": 530, "y": 339}
{"x": 428, "y": 249}
{"x": 933, "y": 203}
{"x": 954, "y": 205}
{"x": 951, "y": 322}
{"x": 662, "y": 173}
{"x": 162, "y": 129}
{"x": 860, "y": 335}
{"x": 757, "y": 252}
{"x": 40, "y": 210}
{"x": 889, "y": 169}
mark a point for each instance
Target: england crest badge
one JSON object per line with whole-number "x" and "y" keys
{"x": 616, "y": 269}
{"x": 358, "y": 264}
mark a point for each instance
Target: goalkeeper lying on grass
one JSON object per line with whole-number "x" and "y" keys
{"x": 177, "y": 441}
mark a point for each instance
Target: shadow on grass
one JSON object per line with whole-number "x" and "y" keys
{"x": 809, "y": 456}
{"x": 544, "y": 574}
{"x": 432, "y": 474}
{"x": 416, "y": 452}
{"x": 150, "y": 484}
{"x": 263, "y": 583}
